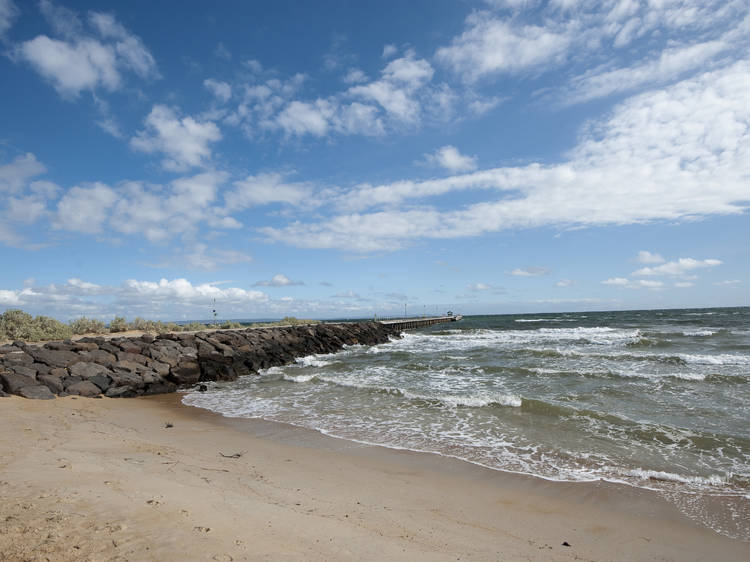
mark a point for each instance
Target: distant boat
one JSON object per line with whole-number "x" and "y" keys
{"x": 457, "y": 317}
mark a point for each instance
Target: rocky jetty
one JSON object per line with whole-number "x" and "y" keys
{"x": 135, "y": 366}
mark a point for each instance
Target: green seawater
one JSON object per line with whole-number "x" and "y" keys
{"x": 656, "y": 399}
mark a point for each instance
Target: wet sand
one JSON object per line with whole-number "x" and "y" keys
{"x": 151, "y": 479}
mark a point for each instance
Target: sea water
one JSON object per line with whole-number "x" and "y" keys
{"x": 656, "y": 399}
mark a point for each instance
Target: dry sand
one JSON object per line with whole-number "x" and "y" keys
{"x": 106, "y": 479}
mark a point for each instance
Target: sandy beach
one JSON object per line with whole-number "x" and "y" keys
{"x": 151, "y": 479}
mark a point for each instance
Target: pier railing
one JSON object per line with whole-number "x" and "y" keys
{"x": 417, "y": 322}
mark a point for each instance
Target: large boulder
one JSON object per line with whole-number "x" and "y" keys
{"x": 187, "y": 372}
{"x": 53, "y": 357}
{"x": 24, "y": 369}
{"x": 87, "y": 370}
{"x": 98, "y": 356}
{"x": 84, "y": 388}
{"x": 52, "y": 382}
{"x": 12, "y": 382}
{"x": 36, "y": 392}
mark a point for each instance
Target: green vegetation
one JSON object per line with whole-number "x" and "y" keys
{"x": 19, "y": 325}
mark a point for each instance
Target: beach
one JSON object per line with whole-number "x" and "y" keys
{"x": 152, "y": 479}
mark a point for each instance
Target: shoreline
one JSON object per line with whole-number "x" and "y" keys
{"x": 103, "y": 478}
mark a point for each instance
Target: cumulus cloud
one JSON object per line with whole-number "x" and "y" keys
{"x": 222, "y": 91}
{"x": 266, "y": 188}
{"x": 679, "y": 267}
{"x": 278, "y": 280}
{"x": 532, "y": 271}
{"x": 475, "y": 287}
{"x": 491, "y": 46}
{"x": 644, "y": 256}
{"x": 451, "y": 159}
{"x": 184, "y": 140}
{"x": 15, "y": 175}
{"x": 84, "y": 209}
{"x": 670, "y": 154}
{"x": 8, "y": 13}
{"x": 81, "y": 60}
{"x": 638, "y": 284}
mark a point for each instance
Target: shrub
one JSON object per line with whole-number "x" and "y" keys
{"x": 19, "y": 325}
{"x": 118, "y": 324}
{"x": 85, "y": 325}
{"x": 228, "y": 325}
{"x": 194, "y": 327}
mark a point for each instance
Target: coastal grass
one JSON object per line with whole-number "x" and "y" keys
{"x": 16, "y": 324}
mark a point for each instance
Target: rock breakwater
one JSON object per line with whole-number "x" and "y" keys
{"x": 135, "y": 366}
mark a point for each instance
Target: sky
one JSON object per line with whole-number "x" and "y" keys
{"x": 345, "y": 159}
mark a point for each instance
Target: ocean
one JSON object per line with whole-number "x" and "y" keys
{"x": 654, "y": 399}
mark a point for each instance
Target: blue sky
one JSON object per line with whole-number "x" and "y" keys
{"x": 334, "y": 159}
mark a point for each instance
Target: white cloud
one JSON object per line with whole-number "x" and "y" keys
{"x": 671, "y": 63}
{"x": 644, "y": 256}
{"x": 679, "y": 267}
{"x": 451, "y": 159}
{"x": 278, "y": 280}
{"x": 185, "y": 141}
{"x": 728, "y": 282}
{"x": 130, "y": 50}
{"x": 221, "y": 90}
{"x": 676, "y": 153}
{"x": 532, "y": 271}
{"x": 80, "y": 61}
{"x": 492, "y": 46}
{"x": 347, "y": 295}
{"x": 8, "y": 13}
{"x": 684, "y": 284}
{"x": 158, "y": 213}
{"x": 389, "y": 51}
{"x": 479, "y": 287}
{"x": 84, "y": 209}
{"x": 638, "y": 284}
{"x": 16, "y": 175}
{"x": 72, "y": 67}
{"x": 301, "y": 118}
{"x": 564, "y": 283}
{"x": 355, "y": 76}
{"x": 263, "y": 189}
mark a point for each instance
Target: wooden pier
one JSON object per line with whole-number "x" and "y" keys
{"x": 413, "y": 323}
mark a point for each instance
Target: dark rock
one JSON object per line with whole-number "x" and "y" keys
{"x": 3, "y": 394}
{"x": 126, "y": 378}
{"x": 17, "y": 356}
{"x": 85, "y": 346}
{"x": 102, "y": 381}
{"x": 147, "y": 338}
{"x": 22, "y": 369}
{"x": 106, "y": 346}
{"x": 202, "y": 388}
{"x": 68, "y": 381}
{"x": 36, "y": 392}
{"x": 52, "y": 382}
{"x": 41, "y": 368}
{"x": 187, "y": 372}
{"x": 129, "y": 366}
{"x": 98, "y": 356}
{"x": 161, "y": 368}
{"x": 52, "y": 357}
{"x": 132, "y": 357}
{"x": 87, "y": 370}
{"x": 130, "y": 346}
{"x": 12, "y": 382}
{"x": 162, "y": 387}
{"x": 59, "y": 372}
{"x": 149, "y": 377}
{"x": 120, "y": 392}
{"x": 8, "y": 349}
{"x": 84, "y": 388}
{"x": 58, "y": 346}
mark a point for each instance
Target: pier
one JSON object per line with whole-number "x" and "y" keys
{"x": 413, "y": 323}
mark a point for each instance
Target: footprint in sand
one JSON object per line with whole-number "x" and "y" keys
{"x": 202, "y": 529}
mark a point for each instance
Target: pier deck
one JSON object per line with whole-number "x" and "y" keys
{"x": 413, "y": 323}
